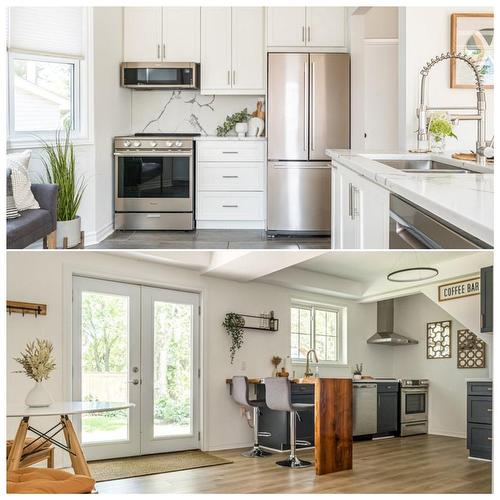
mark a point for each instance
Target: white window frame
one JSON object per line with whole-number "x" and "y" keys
{"x": 84, "y": 130}
{"x": 341, "y": 330}
{"x": 75, "y": 93}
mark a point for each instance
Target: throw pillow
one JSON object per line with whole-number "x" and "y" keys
{"x": 21, "y": 184}
{"x": 12, "y": 211}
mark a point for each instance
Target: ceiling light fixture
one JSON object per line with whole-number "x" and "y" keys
{"x": 412, "y": 274}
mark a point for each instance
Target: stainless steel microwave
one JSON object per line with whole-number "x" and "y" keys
{"x": 160, "y": 75}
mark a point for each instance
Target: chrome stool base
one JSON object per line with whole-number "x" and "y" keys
{"x": 294, "y": 463}
{"x": 256, "y": 451}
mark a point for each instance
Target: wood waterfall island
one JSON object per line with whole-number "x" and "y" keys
{"x": 333, "y": 422}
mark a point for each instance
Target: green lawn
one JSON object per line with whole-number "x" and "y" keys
{"x": 103, "y": 423}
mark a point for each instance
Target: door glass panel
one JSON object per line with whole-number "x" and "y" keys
{"x": 153, "y": 177}
{"x": 105, "y": 347}
{"x": 173, "y": 366}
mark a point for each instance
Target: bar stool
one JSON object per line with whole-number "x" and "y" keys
{"x": 279, "y": 397}
{"x": 240, "y": 395}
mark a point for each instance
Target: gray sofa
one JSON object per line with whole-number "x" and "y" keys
{"x": 34, "y": 225}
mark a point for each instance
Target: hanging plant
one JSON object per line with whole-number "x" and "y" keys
{"x": 234, "y": 323}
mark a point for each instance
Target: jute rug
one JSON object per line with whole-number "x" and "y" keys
{"x": 120, "y": 468}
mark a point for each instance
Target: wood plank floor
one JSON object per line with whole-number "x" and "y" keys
{"x": 417, "y": 464}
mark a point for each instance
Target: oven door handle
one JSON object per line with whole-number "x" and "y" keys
{"x": 411, "y": 235}
{"x": 154, "y": 154}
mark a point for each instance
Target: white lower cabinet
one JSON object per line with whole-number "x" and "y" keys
{"x": 360, "y": 211}
{"x": 230, "y": 184}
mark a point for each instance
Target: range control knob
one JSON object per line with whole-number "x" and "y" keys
{"x": 127, "y": 144}
{"x": 178, "y": 144}
{"x": 153, "y": 144}
{"x": 137, "y": 144}
{"x": 168, "y": 144}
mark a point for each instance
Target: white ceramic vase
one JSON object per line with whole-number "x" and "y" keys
{"x": 39, "y": 396}
{"x": 241, "y": 129}
{"x": 70, "y": 229}
{"x": 255, "y": 126}
{"x": 356, "y": 377}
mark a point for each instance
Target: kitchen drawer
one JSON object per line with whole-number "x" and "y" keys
{"x": 230, "y": 151}
{"x": 304, "y": 389}
{"x": 480, "y": 438}
{"x": 387, "y": 387}
{"x": 480, "y": 388}
{"x": 244, "y": 176}
{"x": 230, "y": 206}
{"x": 479, "y": 409}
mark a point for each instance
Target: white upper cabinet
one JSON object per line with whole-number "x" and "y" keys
{"x": 181, "y": 34}
{"x": 142, "y": 34}
{"x": 232, "y": 50}
{"x": 216, "y": 48}
{"x": 248, "y": 48}
{"x": 306, "y": 27}
{"x": 153, "y": 34}
{"x": 325, "y": 26}
{"x": 286, "y": 26}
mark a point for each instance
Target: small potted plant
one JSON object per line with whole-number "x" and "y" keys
{"x": 60, "y": 167}
{"x": 357, "y": 372}
{"x": 276, "y": 361}
{"x": 237, "y": 121}
{"x": 234, "y": 323}
{"x": 440, "y": 127}
{"x": 38, "y": 363}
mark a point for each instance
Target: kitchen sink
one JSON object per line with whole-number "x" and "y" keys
{"x": 423, "y": 166}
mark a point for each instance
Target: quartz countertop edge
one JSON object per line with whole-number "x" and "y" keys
{"x": 228, "y": 138}
{"x": 479, "y": 379}
{"x": 463, "y": 200}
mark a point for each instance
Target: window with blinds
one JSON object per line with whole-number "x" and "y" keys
{"x": 317, "y": 327}
{"x": 46, "y": 47}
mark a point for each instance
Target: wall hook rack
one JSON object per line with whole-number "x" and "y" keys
{"x": 26, "y": 308}
{"x": 264, "y": 322}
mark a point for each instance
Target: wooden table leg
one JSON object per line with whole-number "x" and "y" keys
{"x": 78, "y": 461}
{"x": 16, "y": 452}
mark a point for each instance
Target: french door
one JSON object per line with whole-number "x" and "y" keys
{"x": 137, "y": 344}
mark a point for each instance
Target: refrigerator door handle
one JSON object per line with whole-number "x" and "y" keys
{"x": 305, "y": 105}
{"x": 313, "y": 106}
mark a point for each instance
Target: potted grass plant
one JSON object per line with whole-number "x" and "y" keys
{"x": 60, "y": 168}
{"x": 38, "y": 363}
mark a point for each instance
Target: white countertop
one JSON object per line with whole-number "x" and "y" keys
{"x": 483, "y": 379}
{"x": 463, "y": 200}
{"x": 228, "y": 138}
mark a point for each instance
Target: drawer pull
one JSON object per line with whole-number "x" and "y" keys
{"x": 490, "y": 439}
{"x": 153, "y": 216}
{"x": 490, "y": 409}
{"x": 490, "y": 388}
{"x": 230, "y": 152}
{"x": 229, "y": 206}
{"x": 230, "y": 176}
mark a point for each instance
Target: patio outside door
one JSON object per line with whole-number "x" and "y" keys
{"x": 138, "y": 344}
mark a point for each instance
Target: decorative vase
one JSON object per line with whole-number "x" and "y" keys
{"x": 255, "y": 126}
{"x": 356, "y": 377}
{"x": 241, "y": 129}
{"x": 38, "y": 396}
{"x": 438, "y": 143}
{"x": 70, "y": 229}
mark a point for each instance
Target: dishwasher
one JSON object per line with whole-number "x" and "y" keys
{"x": 364, "y": 409}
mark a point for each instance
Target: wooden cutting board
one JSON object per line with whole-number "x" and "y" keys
{"x": 468, "y": 157}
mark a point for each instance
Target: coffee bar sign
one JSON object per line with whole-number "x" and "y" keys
{"x": 459, "y": 289}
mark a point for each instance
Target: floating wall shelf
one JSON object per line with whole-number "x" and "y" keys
{"x": 264, "y": 322}
{"x": 26, "y": 308}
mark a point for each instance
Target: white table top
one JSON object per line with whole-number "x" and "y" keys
{"x": 66, "y": 408}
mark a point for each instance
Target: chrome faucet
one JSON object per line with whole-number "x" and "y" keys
{"x": 308, "y": 372}
{"x": 482, "y": 149}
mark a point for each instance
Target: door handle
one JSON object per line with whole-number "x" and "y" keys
{"x": 355, "y": 210}
{"x": 228, "y": 77}
{"x": 313, "y": 106}
{"x": 158, "y": 51}
{"x": 305, "y": 106}
{"x": 134, "y": 381}
{"x": 164, "y": 52}
{"x": 350, "y": 200}
{"x": 308, "y": 33}
{"x": 303, "y": 33}
{"x": 234, "y": 77}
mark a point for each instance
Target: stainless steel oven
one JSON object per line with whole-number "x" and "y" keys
{"x": 414, "y": 406}
{"x": 154, "y": 182}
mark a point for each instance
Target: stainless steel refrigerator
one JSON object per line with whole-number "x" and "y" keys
{"x": 308, "y": 109}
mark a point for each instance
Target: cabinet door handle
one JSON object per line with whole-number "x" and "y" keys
{"x": 234, "y": 77}
{"x": 350, "y": 200}
{"x": 490, "y": 409}
{"x": 303, "y": 33}
{"x": 158, "y": 51}
{"x": 230, "y": 176}
{"x": 228, "y": 77}
{"x": 490, "y": 439}
{"x": 229, "y": 206}
{"x": 308, "y": 33}
{"x": 164, "y": 51}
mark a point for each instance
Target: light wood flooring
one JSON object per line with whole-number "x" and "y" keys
{"x": 417, "y": 464}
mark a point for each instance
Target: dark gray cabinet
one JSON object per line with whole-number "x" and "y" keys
{"x": 487, "y": 299}
{"x": 387, "y": 408}
{"x": 479, "y": 419}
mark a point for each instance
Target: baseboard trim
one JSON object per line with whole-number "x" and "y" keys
{"x": 230, "y": 446}
{"x": 230, "y": 224}
{"x": 447, "y": 433}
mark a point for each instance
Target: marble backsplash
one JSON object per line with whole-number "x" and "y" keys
{"x": 185, "y": 111}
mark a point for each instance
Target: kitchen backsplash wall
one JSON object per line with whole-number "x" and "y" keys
{"x": 184, "y": 111}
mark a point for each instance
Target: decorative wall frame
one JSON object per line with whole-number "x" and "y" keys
{"x": 439, "y": 340}
{"x": 471, "y": 350}
{"x": 472, "y": 33}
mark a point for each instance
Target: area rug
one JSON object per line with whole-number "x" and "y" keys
{"x": 121, "y": 468}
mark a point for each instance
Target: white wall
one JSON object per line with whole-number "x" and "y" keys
{"x": 44, "y": 279}
{"x": 427, "y": 34}
{"x": 447, "y": 392}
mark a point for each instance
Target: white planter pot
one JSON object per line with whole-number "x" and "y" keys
{"x": 70, "y": 229}
{"x": 241, "y": 129}
{"x": 38, "y": 396}
{"x": 356, "y": 377}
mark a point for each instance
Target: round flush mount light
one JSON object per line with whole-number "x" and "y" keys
{"x": 412, "y": 274}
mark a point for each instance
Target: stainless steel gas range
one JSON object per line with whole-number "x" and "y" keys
{"x": 154, "y": 181}
{"x": 414, "y": 406}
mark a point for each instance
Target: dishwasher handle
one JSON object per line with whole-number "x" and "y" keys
{"x": 411, "y": 235}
